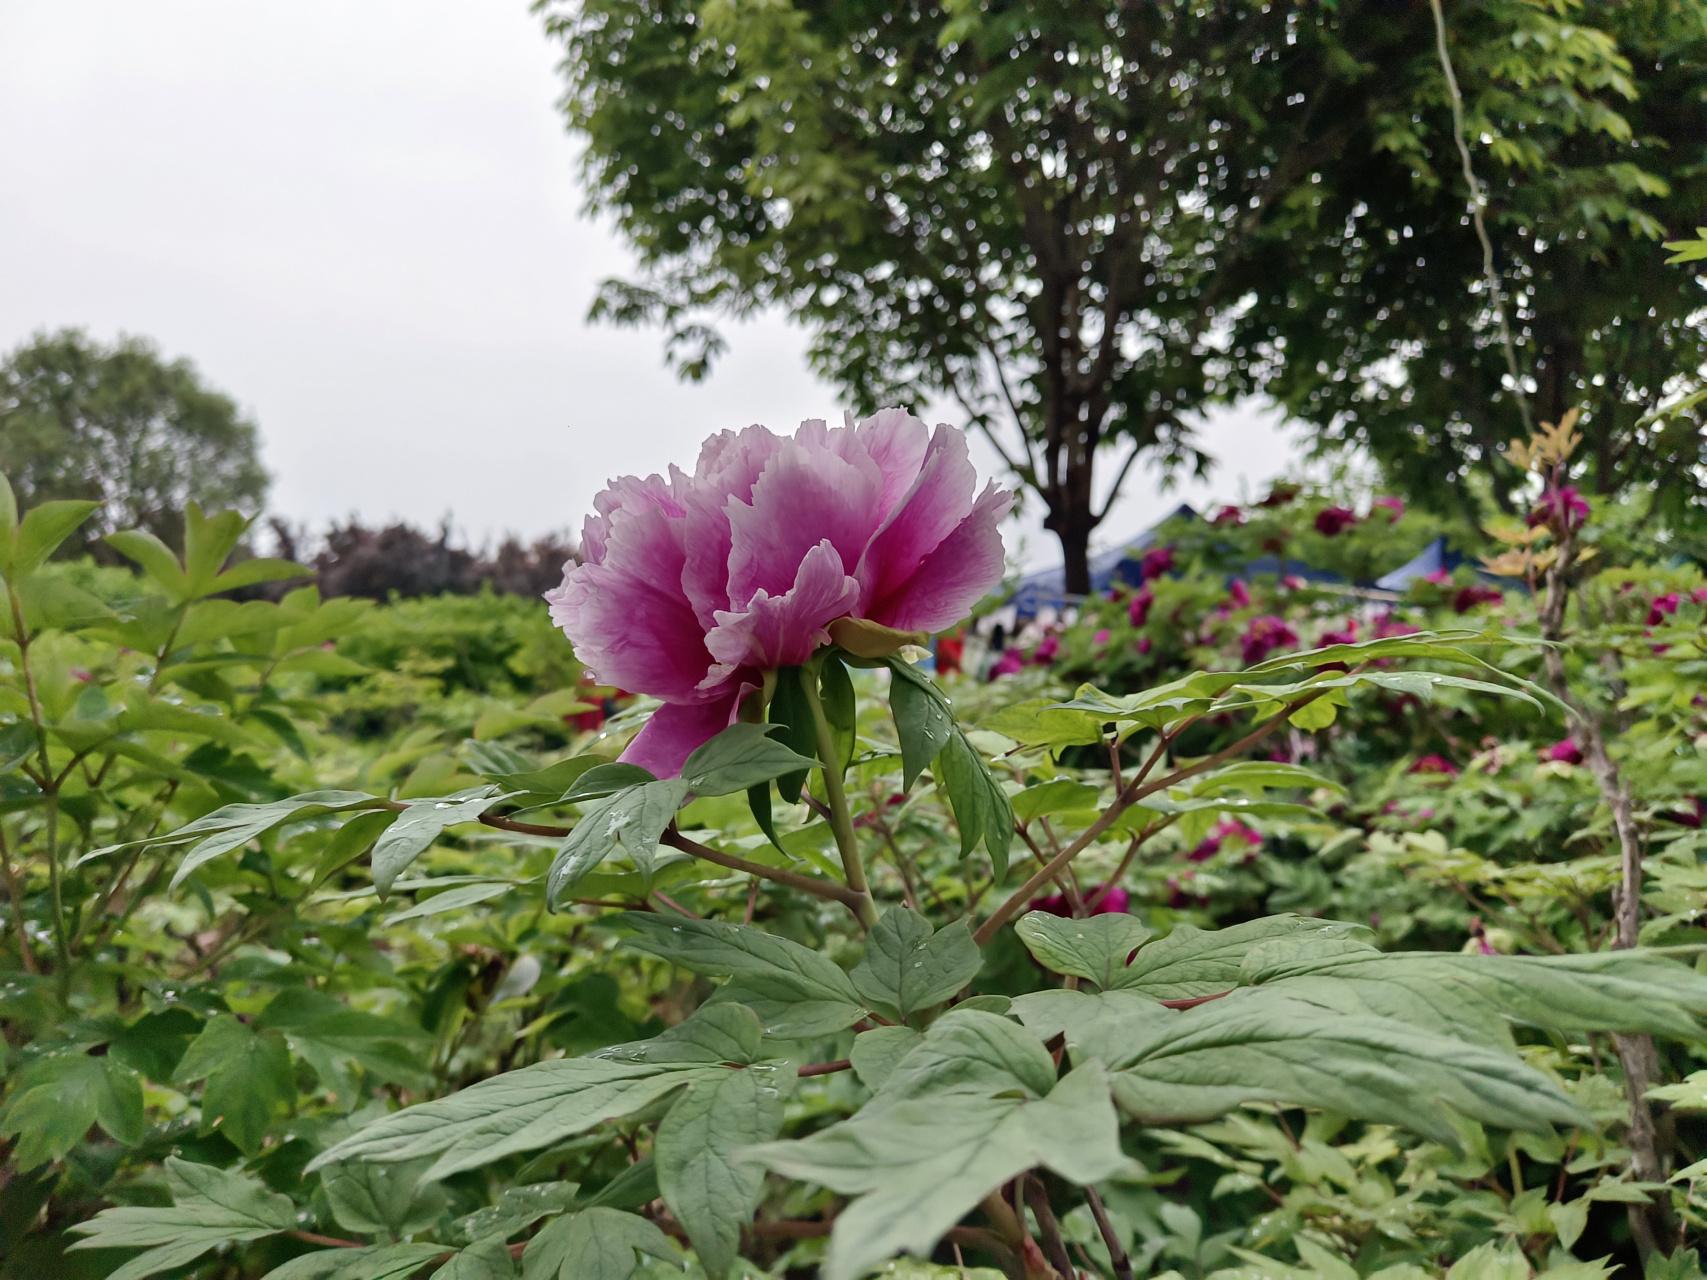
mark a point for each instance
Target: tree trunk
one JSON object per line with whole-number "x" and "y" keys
{"x": 1075, "y": 535}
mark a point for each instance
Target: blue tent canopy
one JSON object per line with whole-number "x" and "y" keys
{"x": 1437, "y": 557}
{"x": 1047, "y": 588}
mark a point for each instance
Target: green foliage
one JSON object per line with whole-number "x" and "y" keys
{"x": 136, "y": 437}
{"x": 285, "y": 996}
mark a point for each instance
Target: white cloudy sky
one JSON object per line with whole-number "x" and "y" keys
{"x": 361, "y": 218}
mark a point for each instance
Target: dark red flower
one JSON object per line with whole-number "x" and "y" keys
{"x": 1333, "y": 521}
{"x": 1662, "y": 607}
{"x": 1435, "y": 764}
{"x": 1228, "y": 515}
{"x": 1469, "y": 597}
{"x": 1138, "y": 609}
{"x": 1280, "y": 495}
{"x": 1263, "y": 636}
{"x": 1155, "y": 563}
{"x": 1346, "y": 635}
{"x": 1102, "y": 900}
{"x": 1564, "y": 751}
{"x": 1239, "y": 593}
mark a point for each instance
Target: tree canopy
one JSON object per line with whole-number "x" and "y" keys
{"x": 1085, "y": 224}
{"x": 121, "y": 426}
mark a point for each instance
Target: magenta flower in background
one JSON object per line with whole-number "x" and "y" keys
{"x": 1280, "y": 495}
{"x": 1143, "y": 645}
{"x": 1292, "y": 582}
{"x": 1440, "y": 577}
{"x": 1048, "y": 649}
{"x": 1435, "y": 764}
{"x": 1102, "y": 637}
{"x": 690, "y": 589}
{"x": 1699, "y": 595}
{"x": 1138, "y": 610}
{"x": 1239, "y": 593}
{"x": 1565, "y": 751}
{"x": 1562, "y": 507}
{"x": 1155, "y": 563}
{"x": 1099, "y": 900}
{"x": 1228, "y": 515}
{"x": 1469, "y": 597}
{"x": 1345, "y": 635}
{"x": 1263, "y": 636}
{"x": 1333, "y": 521}
{"x": 1011, "y": 661}
{"x": 1394, "y": 507}
{"x": 1662, "y": 607}
{"x": 1389, "y": 626}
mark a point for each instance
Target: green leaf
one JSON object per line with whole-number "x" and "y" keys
{"x": 603, "y": 780}
{"x": 40, "y": 532}
{"x": 972, "y": 1051}
{"x": 483, "y": 1260}
{"x": 741, "y": 756}
{"x": 916, "y": 1168}
{"x": 867, "y": 639}
{"x": 248, "y": 1079}
{"x": 537, "y": 1106}
{"x": 235, "y": 825}
{"x": 333, "y": 1039}
{"x": 711, "y": 1194}
{"x": 1620, "y": 991}
{"x": 798, "y": 992}
{"x": 210, "y": 1207}
{"x": 518, "y": 1208}
{"x": 55, "y": 1099}
{"x": 877, "y": 1052}
{"x": 790, "y": 710}
{"x": 595, "y": 1244}
{"x": 631, "y": 822}
{"x": 715, "y": 1034}
{"x": 907, "y": 968}
{"x": 980, "y": 805}
{"x": 8, "y": 518}
{"x": 923, "y": 719}
{"x": 376, "y": 1262}
{"x": 457, "y": 899}
{"x": 208, "y": 540}
{"x": 1060, "y": 795}
{"x": 1193, "y": 962}
{"x": 841, "y": 711}
{"x": 419, "y": 825}
{"x": 381, "y": 1199}
{"x": 1096, "y": 948}
{"x": 1040, "y": 722}
{"x": 248, "y": 573}
{"x": 1261, "y": 1046}
{"x": 155, "y": 559}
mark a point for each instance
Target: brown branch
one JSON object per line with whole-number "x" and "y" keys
{"x": 793, "y": 879}
{"x": 823, "y": 1068}
{"x": 1116, "y": 1254}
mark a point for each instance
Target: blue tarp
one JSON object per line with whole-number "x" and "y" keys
{"x": 1434, "y": 558}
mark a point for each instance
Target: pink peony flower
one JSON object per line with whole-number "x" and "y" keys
{"x": 1440, "y": 577}
{"x": 1292, "y": 582}
{"x": 1562, "y": 508}
{"x": 1156, "y": 563}
{"x": 1333, "y": 521}
{"x": 1280, "y": 495}
{"x": 1048, "y": 649}
{"x": 1564, "y": 751}
{"x": 1263, "y": 636}
{"x": 1143, "y": 645}
{"x": 1469, "y": 597}
{"x": 1699, "y": 595}
{"x": 690, "y": 589}
{"x": 1011, "y": 661}
{"x": 1100, "y": 900}
{"x": 1138, "y": 610}
{"x": 1239, "y": 593}
{"x": 1394, "y": 507}
{"x": 1435, "y": 764}
{"x": 1663, "y": 607}
{"x": 1102, "y": 637}
{"x": 1228, "y": 515}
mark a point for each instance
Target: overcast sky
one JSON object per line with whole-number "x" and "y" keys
{"x": 361, "y": 219}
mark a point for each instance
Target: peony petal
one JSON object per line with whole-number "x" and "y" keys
{"x": 899, "y": 444}
{"x": 622, "y": 493}
{"x": 932, "y": 508}
{"x": 953, "y": 577}
{"x": 676, "y": 729}
{"x": 626, "y": 614}
{"x": 806, "y": 495}
{"x": 783, "y": 630}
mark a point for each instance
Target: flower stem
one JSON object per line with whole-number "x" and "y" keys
{"x": 836, "y": 799}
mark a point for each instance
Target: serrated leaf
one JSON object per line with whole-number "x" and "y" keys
{"x": 595, "y": 1244}
{"x": 210, "y": 1207}
{"x": 525, "y": 1110}
{"x": 1260, "y": 1046}
{"x": 630, "y": 822}
{"x": 419, "y": 825}
{"x": 792, "y": 987}
{"x": 907, "y": 967}
{"x": 916, "y": 1168}
{"x": 711, "y": 1194}
{"x": 741, "y": 756}
{"x": 41, "y": 531}
{"x": 1097, "y": 947}
{"x": 247, "y": 1075}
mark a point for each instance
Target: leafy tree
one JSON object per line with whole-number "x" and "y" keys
{"x": 119, "y": 426}
{"x": 1587, "y": 127}
{"x": 1032, "y": 209}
